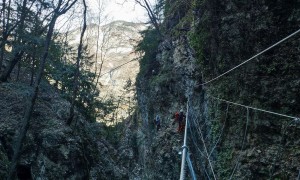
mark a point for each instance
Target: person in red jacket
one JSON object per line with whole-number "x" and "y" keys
{"x": 180, "y": 118}
{"x": 176, "y": 120}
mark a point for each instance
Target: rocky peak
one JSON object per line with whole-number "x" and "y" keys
{"x": 117, "y": 58}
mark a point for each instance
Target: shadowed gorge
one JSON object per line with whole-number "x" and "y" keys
{"x": 203, "y": 90}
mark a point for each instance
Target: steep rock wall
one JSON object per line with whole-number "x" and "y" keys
{"x": 205, "y": 39}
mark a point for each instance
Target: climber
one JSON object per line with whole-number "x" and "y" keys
{"x": 181, "y": 121}
{"x": 157, "y": 122}
{"x": 180, "y": 117}
{"x": 176, "y": 119}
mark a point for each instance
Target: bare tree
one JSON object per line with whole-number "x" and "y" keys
{"x": 104, "y": 47}
{"x": 100, "y": 20}
{"x": 77, "y": 73}
{"x": 60, "y": 9}
{"x": 153, "y": 17}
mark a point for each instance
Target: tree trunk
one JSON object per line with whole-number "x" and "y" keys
{"x": 19, "y": 140}
{"x": 4, "y": 40}
{"x": 25, "y": 125}
{"x": 2, "y": 55}
{"x": 18, "y": 71}
{"x": 3, "y": 34}
{"x": 11, "y": 66}
{"x": 18, "y": 55}
{"x": 32, "y": 69}
{"x": 77, "y": 73}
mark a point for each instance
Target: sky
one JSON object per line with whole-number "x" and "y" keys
{"x": 126, "y": 10}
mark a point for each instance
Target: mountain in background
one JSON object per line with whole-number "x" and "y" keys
{"x": 116, "y": 64}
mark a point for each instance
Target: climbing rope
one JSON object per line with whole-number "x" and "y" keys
{"x": 243, "y": 143}
{"x": 258, "y": 109}
{"x": 109, "y": 72}
{"x": 265, "y": 50}
{"x": 203, "y": 141}
{"x": 199, "y": 129}
{"x": 197, "y": 148}
{"x": 209, "y": 161}
{"x": 206, "y": 155}
{"x": 194, "y": 141}
{"x": 221, "y": 133}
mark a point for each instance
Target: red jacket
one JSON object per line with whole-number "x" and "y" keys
{"x": 176, "y": 116}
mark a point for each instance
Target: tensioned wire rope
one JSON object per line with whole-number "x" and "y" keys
{"x": 242, "y": 148}
{"x": 249, "y": 107}
{"x": 221, "y": 133}
{"x": 237, "y": 104}
{"x": 205, "y": 154}
{"x": 110, "y": 71}
{"x": 223, "y": 74}
{"x": 257, "y": 109}
{"x": 258, "y": 54}
{"x": 214, "y": 144}
{"x": 197, "y": 148}
{"x": 219, "y": 76}
{"x": 245, "y": 132}
{"x": 208, "y": 155}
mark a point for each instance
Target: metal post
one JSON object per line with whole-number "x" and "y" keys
{"x": 188, "y": 159}
{"x": 184, "y": 147}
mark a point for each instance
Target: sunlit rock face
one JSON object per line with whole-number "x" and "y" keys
{"x": 116, "y": 63}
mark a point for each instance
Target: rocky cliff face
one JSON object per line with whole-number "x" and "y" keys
{"x": 116, "y": 65}
{"x": 51, "y": 149}
{"x": 205, "y": 39}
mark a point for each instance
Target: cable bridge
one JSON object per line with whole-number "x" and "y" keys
{"x": 185, "y": 155}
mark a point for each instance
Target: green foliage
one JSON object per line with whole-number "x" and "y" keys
{"x": 60, "y": 72}
{"x": 176, "y": 10}
{"x": 114, "y": 133}
{"x": 216, "y": 116}
{"x": 197, "y": 40}
{"x": 147, "y": 47}
{"x": 159, "y": 80}
{"x": 180, "y": 16}
{"x": 223, "y": 163}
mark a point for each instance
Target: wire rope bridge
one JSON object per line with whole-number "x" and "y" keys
{"x": 191, "y": 118}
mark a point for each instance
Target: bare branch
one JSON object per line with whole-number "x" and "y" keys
{"x": 151, "y": 15}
